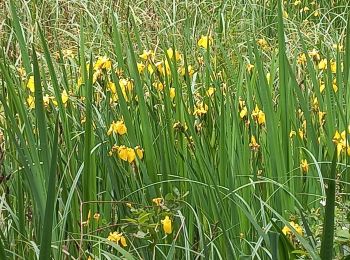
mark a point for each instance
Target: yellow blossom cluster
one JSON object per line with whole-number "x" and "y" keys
{"x": 263, "y": 43}
{"x": 254, "y": 146}
{"x": 117, "y": 128}
{"x": 127, "y": 154}
{"x": 322, "y": 64}
{"x": 46, "y": 98}
{"x": 148, "y": 58}
{"x": 158, "y": 201}
{"x": 340, "y": 140}
{"x": 334, "y": 85}
{"x": 117, "y": 238}
{"x": 87, "y": 221}
{"x": 243, "y": 108}
{"x": 166, "y": 222}
{"x": 103, "y": 63}
{"x": 126, "y": 86}
{"x": 205, "y": 41}
{"x": 190, "y": 70}
{"x": 200, "y": 109}
{"x": 258, "y": 115}
{"x": 288, "y": 232}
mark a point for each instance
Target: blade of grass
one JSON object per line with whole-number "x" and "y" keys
{"x": 2, "y": 249}
{"x": 44, "y": 151}
{"x": 45, "y": 246}
{"x": 55, "y": 85}
{"x": 89, "y": 176}
{"x": 117, "y": 40}
{"x": 147, "y": 136}
{"x": 20, "y": 37}
{"x": 347, "y": 53}
{"x": 328, "y": 225}
{"x": 284, "y": 89}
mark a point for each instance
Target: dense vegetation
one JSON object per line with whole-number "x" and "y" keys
{"x": 174, "y": 129}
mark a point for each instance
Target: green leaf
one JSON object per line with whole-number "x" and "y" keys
{"x": 45, "y": 247}
{"x": 44, "y": 151}
{"x": 20, "y": 37}
{"x": 171, "y": 253}
{"x": 89, "y": 176}
{"x": 2, "y": 249}
{"x": 328, "y": 225}
{"x": 123, "y": 252}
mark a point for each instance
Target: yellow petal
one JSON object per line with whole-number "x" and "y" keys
{"x": 210, "y": 91}
{"x": 123, "y": 241}
{"x": 261, "y": 118}
{"x": 157, "y": 201}
{"x": 323, "y": 64}
{"x": 172, "y": 93}
{"x": 123, "y": 153}
{"x": 304, "y": 165}
{"x": 205, "y": 41}
{"x": 167, "y": 227}
{"x": 46, "y": 100}
{"x": 286, "y": 230}
{"x": 31, "y": 102}
{"x": 140, "y": 67}
{"x": 131, "y": 155}
{"x": 30, "y": 84}
{"x": 64, "y": 97}
{"x": 333, "y": 66}
{"x": 112, "y": 87}
{"x": 139, "y": 152}
{"x": 120, "y": 127}
{"x": 243, "y": 112}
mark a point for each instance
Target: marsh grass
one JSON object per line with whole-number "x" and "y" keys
{"x": 65, "y": 189}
